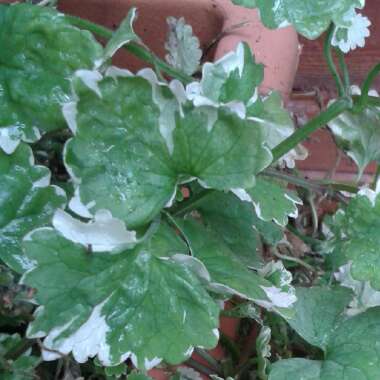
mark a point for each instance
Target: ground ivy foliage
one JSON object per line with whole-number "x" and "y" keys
{"x": 311, "y": 18}
{"x": 230, "y": 82}
{"x": 26, "y": 201}
{"x": 34, "y": 72}
{"x": 147, "y": 306}
{"x": 354, "y": 236}
{"x": 136, "y": 139}
{"x": 20, "y": 369}
{"x": 264, "y": 195}
{"x": 229, "y": 275}
{"x": 358, "y": 133}
{"x": 350, "y": 345}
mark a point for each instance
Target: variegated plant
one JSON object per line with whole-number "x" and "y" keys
{"x": 118, "y": 265}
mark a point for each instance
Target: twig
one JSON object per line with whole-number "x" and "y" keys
{"x": 221, "y": 35}
{"x": 293, "y": 259}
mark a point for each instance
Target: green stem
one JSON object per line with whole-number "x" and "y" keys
{"x": 367, "y": 84}
{"x": 135, "y": 49}
{"x": 371, "y": 101}
{"x": 327, "y": 50}
{"x": 317, "y": 186}
{"x": 303, "y": 133}
{"x": 209, "y": 359}
{"x": 344, "y": 69}
{"x": 293, "y": 259}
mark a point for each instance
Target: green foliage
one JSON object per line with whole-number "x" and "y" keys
{"x": 183, "y": 48}
{"x": 34, "y": 71}
{"x": 358, "y": 135}
{"x": 27, "y": 202}
{"x": 172, "y": 208}
{"x": 311, "y": 18}
{"x": 146, "y": 306}
{"x": 355, "y": 238}
{"x": 349, "y": 344}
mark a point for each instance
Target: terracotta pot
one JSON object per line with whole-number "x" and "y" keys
{"x": 277, "y": 50}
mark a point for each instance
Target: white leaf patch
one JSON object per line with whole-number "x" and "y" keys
{"x": 168, "y": 106}
{"x": 205, "y": 94}
{"x": 351, "y": 31}
{"x": 104, "y": 233}
{"x": 365, "y": 296}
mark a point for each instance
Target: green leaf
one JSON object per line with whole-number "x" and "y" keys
{"x": 238, "y": 225}
{"x": 136, "y": 142}
{"x": 183, "y": 47}
{"x": 26, "y": 201}
{"x": 234, "y": 222}
{"x": 365, "y": 296}
{"x": 116, "y": 371}
{"x": 309, "y": 17}
{"x": 358, "y": 135}
{"x": 318, "y": 311}
{"x": 40, "y": 52}
{"x": 134, "y": 304}
{"x": 122, "y": 36}
{"x": 228, "y": 274}
{"x": 354, "y": 236}
{"x": 272, "y": 201}
{"x": 297, "y": 369}
{"x": 232, "y": 81}
{"x": 351, "y": 353}
{"x": 277, "y": 126}
{"x": 20, "y": 369}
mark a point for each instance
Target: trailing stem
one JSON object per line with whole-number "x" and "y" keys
{"x": 327, "y": 50}
{"x": 338, "y": 107}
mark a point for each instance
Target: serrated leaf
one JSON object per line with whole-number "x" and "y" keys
{"x": 122, "y": 36}
{"x": 26, "y": 201}
{"x": 355, "y": 236}
{"x": 272, "y": 201}
{"x": 237, "y": 224}
{"x": 230, "y": 82}
{"x": 40, "y": 51}
{"x": 351, "y": 30}
{"x": 124, "y": 159}
{"x": 358, "y": 134}
{"x": 318, "y": 311}
{"x": 234, "y": 222}
{"x": 309, "y": 17}
{"x": 351, "y": 349}
{"x": 365, "y": 296}
{"x": 135, "y": 304}
{"x": 277, "y": 125}
{"x": 228, "y": 274}
{"x": 183, "y": 47}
